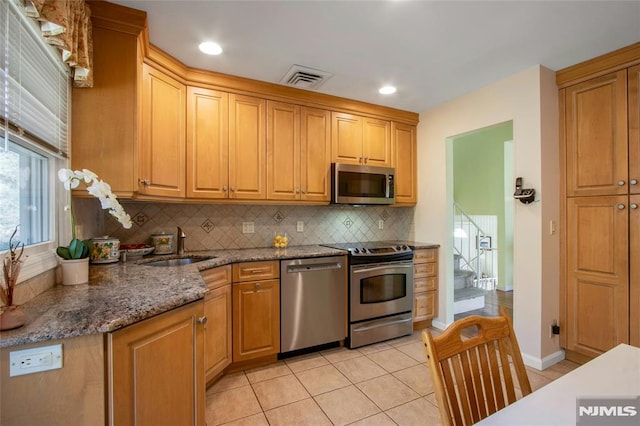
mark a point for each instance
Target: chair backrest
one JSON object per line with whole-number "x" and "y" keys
{"x": 469, "y": 374}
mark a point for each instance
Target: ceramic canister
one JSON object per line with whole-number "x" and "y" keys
{"x": 163, "y": 243}
{"x": 105, "y": 250}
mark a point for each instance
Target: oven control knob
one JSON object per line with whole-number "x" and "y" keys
{"x": 364, "y": 250}
{"x": 405, "y": 248}
{"x": 355, "y": 250}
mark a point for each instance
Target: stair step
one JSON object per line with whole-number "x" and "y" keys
{"x": 468, "y": 293}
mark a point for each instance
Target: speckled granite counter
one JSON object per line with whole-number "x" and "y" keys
{"x": 121, "y": 294}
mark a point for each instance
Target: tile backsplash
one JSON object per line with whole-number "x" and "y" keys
{"x": 220, "y": 226}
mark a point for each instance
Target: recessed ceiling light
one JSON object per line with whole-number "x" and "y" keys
{"x": 210, "y": 48}
{"x": 387, "y": 90}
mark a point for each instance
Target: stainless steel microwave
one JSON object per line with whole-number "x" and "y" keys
{"x": 358, "y": 184}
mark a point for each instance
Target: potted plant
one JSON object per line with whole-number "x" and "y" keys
{"x": 75, "y": 256}
{"x": 11, "y": 316}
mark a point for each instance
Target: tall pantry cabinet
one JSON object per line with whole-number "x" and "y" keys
{"x": 600, "y": 144}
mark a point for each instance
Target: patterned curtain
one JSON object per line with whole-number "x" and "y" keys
{"x": 66, "y": 24}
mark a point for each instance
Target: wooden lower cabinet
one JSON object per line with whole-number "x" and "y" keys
{"x": 256, "y": 310}
{"x": 597, "y": 287}
{"x": 156, "y": 370}
{"x": 425, "y": 286}
{"x": 217, "y": 330}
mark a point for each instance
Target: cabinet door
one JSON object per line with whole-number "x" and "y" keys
{"x": 315, "y": 155}
{"x": 247, "y": 148}
{"x": 404, "y": 151}
{"x": 634, "y": 129}
{"x": 256, "y": 319}
{"x": 283, "y": 151}
{"x": 162, "y": 148}
{"x": 597, "y": 274}
{"x": 104, "y": 121}
{"x": 376, "y": 142}
{"x": 217, "y": 336}
{"x": 346, "y": 138}
{"x": 207, "y": 143}
{"x": 157, "y": 370}
{"x": 596, "y": 136}
{"x": 634, "y": 273}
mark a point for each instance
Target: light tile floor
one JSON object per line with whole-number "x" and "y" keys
{"x": 383, "y": 384}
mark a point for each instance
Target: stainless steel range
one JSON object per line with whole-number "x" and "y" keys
{"x": 380, "y": 291}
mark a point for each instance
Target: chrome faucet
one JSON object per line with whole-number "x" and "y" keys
{"x": 181, "y": 237}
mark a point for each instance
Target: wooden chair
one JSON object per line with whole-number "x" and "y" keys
{"x": 470, "y": 380}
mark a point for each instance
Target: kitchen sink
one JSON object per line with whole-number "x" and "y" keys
{"x": 178, "y": 262}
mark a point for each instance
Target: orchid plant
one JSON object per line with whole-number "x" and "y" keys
{"x": 78, "y": 249}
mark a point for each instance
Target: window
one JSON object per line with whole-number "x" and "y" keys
{"x": 24, "y": 183}
{"x": 34, "y": 94}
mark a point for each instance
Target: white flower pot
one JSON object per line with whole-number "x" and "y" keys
{"x": 75, "y": 271}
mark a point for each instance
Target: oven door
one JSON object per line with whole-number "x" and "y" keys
{"x": 380, "y": 289}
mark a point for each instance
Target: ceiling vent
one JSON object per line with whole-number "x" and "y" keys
{"x": 305, "y": 77}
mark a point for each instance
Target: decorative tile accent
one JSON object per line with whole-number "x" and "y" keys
{"x": 384, "y": 215}
{"x": 207, "y": 226}
{"x": 348, "y": 222}
{"x": 140, "y": 218}
{"x": 278, "y": 217}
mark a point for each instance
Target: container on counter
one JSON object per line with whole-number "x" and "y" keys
{"x": 162, "y": 242}
{"x": 105, "y": 250}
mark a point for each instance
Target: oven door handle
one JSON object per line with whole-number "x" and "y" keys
{"x": 356, "y": 270}
{"x": 382, "y": 324}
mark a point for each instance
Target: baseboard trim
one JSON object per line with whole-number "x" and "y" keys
{"x": 436, "y": 323}
{"x": 543, "y": 363}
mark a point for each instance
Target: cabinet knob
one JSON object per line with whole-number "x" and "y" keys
{"x": 233, "y": 189}
{"x": 202, "y": 320}
{"x": 145, "y": 181}
{"x": 633, "y": 206}
{"x": 225, "y": 189}
{"x": 257, "y": 285}
{"x": 304, "y": 192}
{"x": 366, "y": 160}
{"x": 620, "y": 183}
{"x": 633, "y": 182}
{"x": 621, "y": 206}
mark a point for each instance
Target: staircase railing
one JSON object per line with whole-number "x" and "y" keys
{"x": 477, "y": 252}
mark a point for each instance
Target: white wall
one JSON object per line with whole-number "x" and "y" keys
{"x": 530, "y": 100}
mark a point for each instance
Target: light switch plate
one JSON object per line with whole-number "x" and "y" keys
{"x": 381, "y": 224}
{"x": 248, "y": 228}
{"x": 34, "y": 360}
{"x": 300, "y": 226}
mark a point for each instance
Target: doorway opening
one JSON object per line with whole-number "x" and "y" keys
{"x": 483, "y": 221}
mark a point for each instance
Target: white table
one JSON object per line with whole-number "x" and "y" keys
{"x": 616, "y": 373}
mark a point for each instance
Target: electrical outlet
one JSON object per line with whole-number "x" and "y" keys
{"x": 300, "y": 226}
{"x": 33, "y": 360}
{"x": 381, "y": 224}
{"x": 248, "y": 228}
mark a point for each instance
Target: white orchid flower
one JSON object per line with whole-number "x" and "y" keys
{"x": 68, "y": 178}
{"x": 89, "y": 175}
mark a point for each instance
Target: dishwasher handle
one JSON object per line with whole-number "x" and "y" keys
{"x": 294, "y": 269}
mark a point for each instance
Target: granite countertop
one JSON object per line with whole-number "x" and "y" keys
{"x": 120, "y": 294}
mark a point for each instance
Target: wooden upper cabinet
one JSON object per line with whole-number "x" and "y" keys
{"x": 162, "y": 145}
{"x": 376, "y": 142}
{"x": 634, "y": 129}
{"x": 247, "y": 147}
{"x": 634, "y": 270}
{"x": 298, "y": 152}
{"x": 405, "y": 159}
{"x": 207, "y": 143}
{"x": 104, "y": 126}
{"x": 360, "y": 140}
{"x": 315, "y": 154}
{"x": 283, "y": 151}
{"x": 597, "y": 273}
{"x": 596, "y": 136}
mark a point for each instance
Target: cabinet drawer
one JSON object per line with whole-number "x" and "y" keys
{"x": 425, "y": 284}
{"x": 255, "y": 271}
{"x": 425, "y": 255}
{"x": 424, "y": 306}
{"x": 421, "y": 270}
{"x": 217, "y": 277}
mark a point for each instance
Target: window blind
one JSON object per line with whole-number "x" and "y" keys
{"x": 35, "y": 83}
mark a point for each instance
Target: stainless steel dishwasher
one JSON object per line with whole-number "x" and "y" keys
{"x": 313, "y": 302}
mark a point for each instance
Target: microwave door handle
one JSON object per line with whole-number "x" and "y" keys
{"x": 378, "y": 268}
